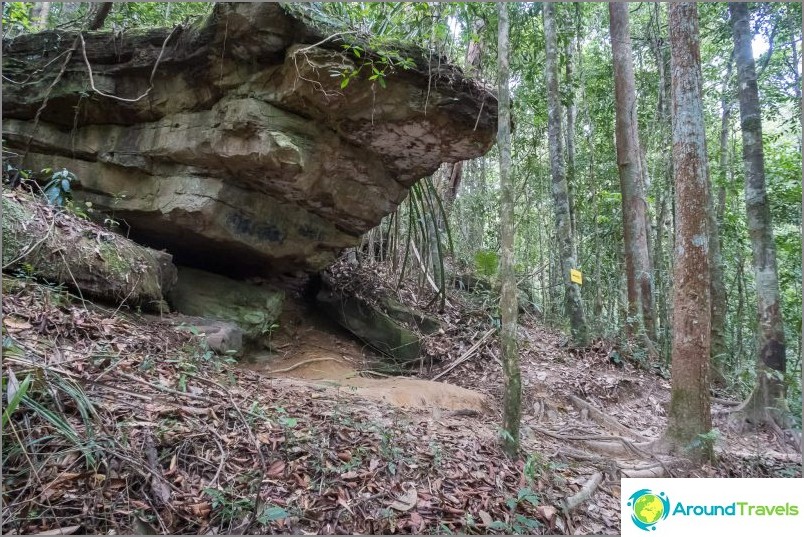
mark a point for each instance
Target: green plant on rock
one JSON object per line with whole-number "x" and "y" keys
{"x": 58, "y": 189}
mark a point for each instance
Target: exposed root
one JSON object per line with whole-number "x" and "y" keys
{"x": 572, "y": 502}
{"x": 605, "y": 420}
{"x": 296, "y": 366}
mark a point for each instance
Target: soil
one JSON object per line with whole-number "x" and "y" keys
{"x": 316, "y": 352}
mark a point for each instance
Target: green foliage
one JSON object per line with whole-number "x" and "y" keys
{"x": 486, "y": 263}
{"x": 17, "y": 17}
{"x": 44, "y": 395}
{"x": 154, "y": 14}
{"x": 227, "y": 506}
{"x": 57, "y": 190}
{"x": 272, "y": 513}
{"x": 15, "y": 392}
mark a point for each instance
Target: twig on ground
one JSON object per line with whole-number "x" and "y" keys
{"x": 468, "y": 354}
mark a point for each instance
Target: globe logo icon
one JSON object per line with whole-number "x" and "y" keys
{"x": 648, "y": 508}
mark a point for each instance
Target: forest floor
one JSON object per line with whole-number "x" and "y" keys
{"x": 131, "y": 425}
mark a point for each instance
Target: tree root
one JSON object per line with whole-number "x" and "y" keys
{"x": 296, "y": 366}
{"x": 572, "y": 502}
{"x": 605, "y": 420}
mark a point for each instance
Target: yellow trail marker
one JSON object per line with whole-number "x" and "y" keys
{"x": 576, "y": 276}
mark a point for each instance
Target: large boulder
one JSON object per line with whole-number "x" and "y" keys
{"x": 383, "y": 323}
{"x": 253, "y": 308}
{"x": 244, "y": 156}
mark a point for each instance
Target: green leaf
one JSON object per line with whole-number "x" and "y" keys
{"x": 344, "y": 83}
{"x": 382, "y": 82}
{"x": 15, "y": 392}
{"x": 271, "y": 514}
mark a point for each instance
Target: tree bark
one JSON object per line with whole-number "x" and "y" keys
{"x": 40, "y": 14}
{"x": 690, "y": 414}
{"x": 508, "y": 296}
{"x": 571, "y": 110}
{"x": 719, "y": 348}
{"x": 573, "y": 301}
{"x": 99, "y": 13}
{"x": 637, "y": 254}
{"x": 769, "y": 391}
{"x": 474, "y": 54}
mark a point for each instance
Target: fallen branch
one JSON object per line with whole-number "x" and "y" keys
{"x": 572, "y": 502}
{"x": 468, "y": 354}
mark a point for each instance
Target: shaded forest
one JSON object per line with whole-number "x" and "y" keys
{"x": 394, "y": 267}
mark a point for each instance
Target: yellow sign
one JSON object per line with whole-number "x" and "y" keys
{"x": 576, "y": 276}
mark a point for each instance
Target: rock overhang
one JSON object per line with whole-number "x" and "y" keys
{"x": 247, "y": 156}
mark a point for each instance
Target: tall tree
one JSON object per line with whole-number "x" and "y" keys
{"x": 689, "y": 403}
{"x": 40, "y": 14}
{"x": 474, "y": 55}
{"x": 769, "y": 391}
{"x": 98, "y": 14}
{"x": 566, "y": 240}
{"x": 715, "y": 210}
{"x": 638, "y": 268}
{"x": 512, "y": 406}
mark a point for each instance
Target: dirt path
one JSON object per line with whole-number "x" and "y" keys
{"x": 312, "y": 351}
{"x": 587, "y": 416}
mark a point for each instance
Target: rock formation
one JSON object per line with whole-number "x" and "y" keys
{"x": 244, "y": 155}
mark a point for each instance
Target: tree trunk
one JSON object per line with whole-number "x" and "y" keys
{"x": 40, "y": 14}
{"x": 508, "y": 297}
{"x": 570, "y": 135}
{"x": 99, "y": 13}
{"x": 769, "y": 391}
{"x": 690, "y": 413}
{"x": 474, "y": 54}
{"x": 637, "y": 254}
{"x": 719, "y": 349}
{"x": 573, "y": 302}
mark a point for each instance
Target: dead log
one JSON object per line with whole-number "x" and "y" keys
{"x": 49, "y": 243}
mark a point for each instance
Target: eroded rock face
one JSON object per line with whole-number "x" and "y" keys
{"x": 246, "y": 157}
{"x": 252, "y": 308}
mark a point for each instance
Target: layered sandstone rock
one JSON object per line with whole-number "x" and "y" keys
{"x": 246, "y": 157}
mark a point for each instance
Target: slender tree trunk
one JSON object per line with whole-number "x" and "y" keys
{"x": 690, "y": 413}
{"x": 99, "y": 13}
{"x": 637, "y": 254}
{"x": 508, "y": 300}
{"x": 720, "y": 350}
{"x": 474, "y": 54}
{"x": 40, "y": 14}
{"x": 769, "y": 392}
{"x": 570, "y": 136}
{"x": 573, "y": 301}
{"x": 662, "y": 264}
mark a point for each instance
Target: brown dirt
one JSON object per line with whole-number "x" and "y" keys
{"x": 315, "y": 352}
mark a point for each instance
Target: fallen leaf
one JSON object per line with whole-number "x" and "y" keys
{"x": 547, "y": 512}
{"x": 277, "y": 469}
{"x": 486, "y": 518}
{"x": 160, "y": 490}
{"x": 13, "y": 324}
{"x": 407, "y": 501}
